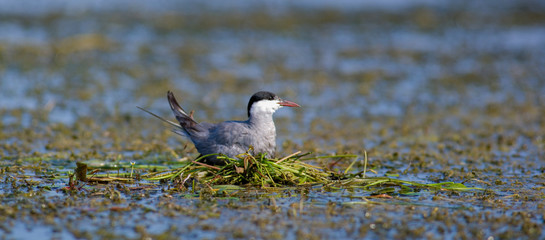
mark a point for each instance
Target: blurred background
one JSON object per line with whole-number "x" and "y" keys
{"x": 433, "y": 90}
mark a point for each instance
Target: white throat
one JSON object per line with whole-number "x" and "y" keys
{"x": 261, "y": 121}
{"x": 261, "y": 112}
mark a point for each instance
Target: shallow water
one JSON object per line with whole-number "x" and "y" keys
{"x": 434, "y": 91}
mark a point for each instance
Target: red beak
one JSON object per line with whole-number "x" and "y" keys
{"x": 287, "y": 103}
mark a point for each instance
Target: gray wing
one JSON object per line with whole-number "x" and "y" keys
{"x": 230, "y": 138}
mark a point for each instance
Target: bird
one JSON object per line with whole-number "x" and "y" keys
{"x": 231, "y": 138}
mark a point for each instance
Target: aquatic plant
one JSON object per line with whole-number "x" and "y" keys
{"x": 293, "y": 170}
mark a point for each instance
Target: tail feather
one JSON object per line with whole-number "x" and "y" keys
{"x": 176, "y": 127}
{"x": 171, "y": 123}
{"x": 187, "y": 122}
{"x": 187, "y": 125}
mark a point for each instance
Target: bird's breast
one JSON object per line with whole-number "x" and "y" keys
{"x": 265, "y": 140}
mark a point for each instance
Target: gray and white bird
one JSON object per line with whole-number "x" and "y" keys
{"x": 231, "y": 138}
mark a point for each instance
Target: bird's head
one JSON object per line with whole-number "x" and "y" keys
{"x": 267, "y": 103}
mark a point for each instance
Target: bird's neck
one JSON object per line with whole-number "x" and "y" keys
{"x": 263, "y": 122}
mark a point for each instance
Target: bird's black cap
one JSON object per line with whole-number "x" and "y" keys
{"x": 258, "y": 96}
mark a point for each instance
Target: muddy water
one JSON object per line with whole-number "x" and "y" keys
{"x": 433, "y": 91}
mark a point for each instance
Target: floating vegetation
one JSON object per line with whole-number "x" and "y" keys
{"x": 252, "y": 170}
{"x": 260, "y": 171}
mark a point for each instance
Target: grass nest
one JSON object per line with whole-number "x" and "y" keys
{"x": 246, "y": 169}
{"x": 293, "y": 170}
{"x": 260, "y": 171}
